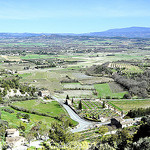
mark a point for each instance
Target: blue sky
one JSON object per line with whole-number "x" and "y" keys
{"x": 72, "y": 16}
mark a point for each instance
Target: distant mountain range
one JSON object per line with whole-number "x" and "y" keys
{"x": 131, "y": 32}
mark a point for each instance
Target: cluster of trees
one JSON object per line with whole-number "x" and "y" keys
{"x": 46, "y": 66}
{"x": 138, "y": 112}
{"x": 28, "y": 89}
{"x": 99, "y": 69}
{"x": 69, "y": 81}
{"x": 3, "y": 127}
{"x": 59, "y": 132}
{"x": 135, "y": 87}
{"x": 8, "y": 84}
{"x": 37, "y": 131}
{"x": 22, "y": 98}
{"x": 13, "y": 84}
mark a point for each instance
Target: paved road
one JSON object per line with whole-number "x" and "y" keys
{"x": 83, "y": 124}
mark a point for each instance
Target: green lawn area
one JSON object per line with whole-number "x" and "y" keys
{"x": 104, "y": 90}
{"x": 52, "y": 108}
{"x": 127, "y": 105}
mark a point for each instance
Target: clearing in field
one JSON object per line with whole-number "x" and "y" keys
{"x": 127, "y": 105}
{"x": 104, "y": 91}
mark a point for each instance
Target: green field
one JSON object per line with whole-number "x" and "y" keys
{"x": 104, "y": 90}
{"x": 127, "y": 56}
{"x": 36, "y": 56}
{"x": 52, "y": 108}
{"x": 127, "y": 105}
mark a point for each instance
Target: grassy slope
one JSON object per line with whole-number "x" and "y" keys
{"x": 14, "y": 122}
{"x": 53, "y": 108}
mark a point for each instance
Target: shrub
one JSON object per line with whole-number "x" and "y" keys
{"x": 8, "y": 110}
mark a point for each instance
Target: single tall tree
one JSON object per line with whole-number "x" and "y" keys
{"x": 67, "y": 97}
{"x": 103, "y": 105}
{"x": 80, "y": 105}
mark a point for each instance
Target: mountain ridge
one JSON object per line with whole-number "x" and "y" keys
{"x": 129, "y": 32}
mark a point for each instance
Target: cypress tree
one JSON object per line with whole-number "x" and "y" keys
{"x": 80, "y": 105}
{"x": 67, "y": 97}
{"x": 103, "y": 106}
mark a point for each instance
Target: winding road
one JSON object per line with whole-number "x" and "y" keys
{"x": 83, "y": 124}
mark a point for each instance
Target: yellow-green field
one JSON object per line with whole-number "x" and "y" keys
{"x": 127, "y": 105}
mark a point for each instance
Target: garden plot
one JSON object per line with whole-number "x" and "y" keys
{"x": 98, "y": 114}
{"x": 93, "y": 110}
